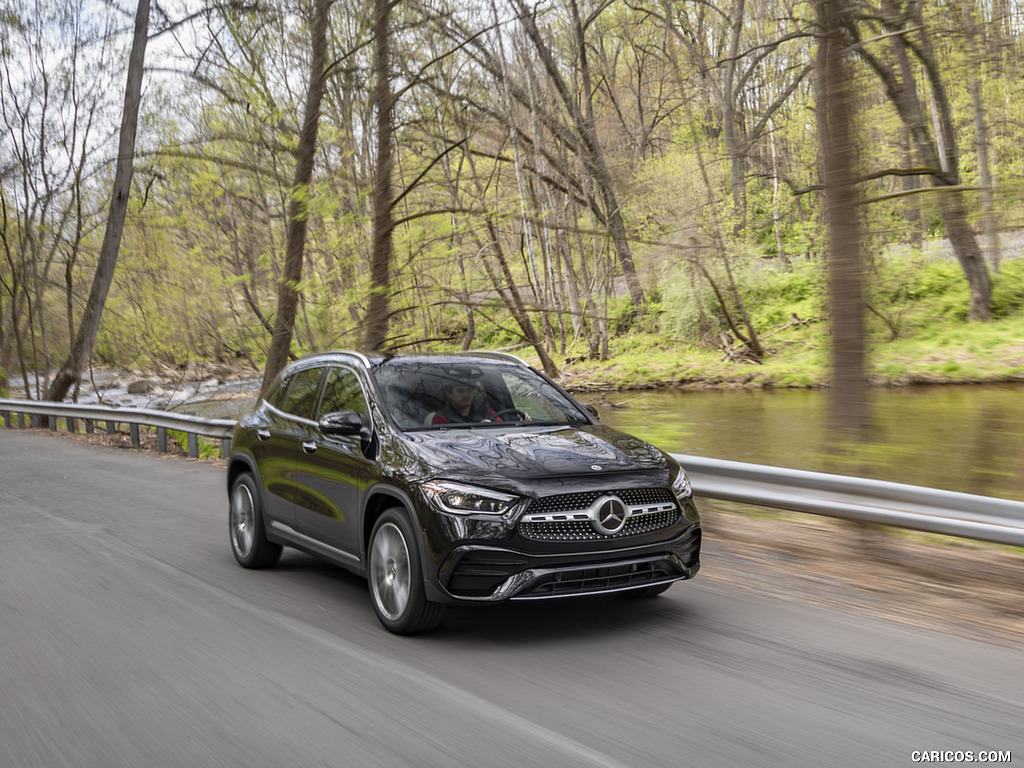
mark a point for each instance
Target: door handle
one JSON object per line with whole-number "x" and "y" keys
{"x": 308, "y": 446}
{"x": 263, "y": 434}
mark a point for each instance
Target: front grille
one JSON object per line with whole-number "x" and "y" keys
{"x": 664, "y": 514}
{"x": 582, "y": 530}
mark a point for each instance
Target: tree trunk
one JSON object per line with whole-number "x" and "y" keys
{"x": 81, "y": 348}
{"x": 849, "y": 411}
{"x": 940, "y": 153}
{"x": 989, "y": 221}
{"x": 377, "y": 310}
{"x": 298, "y": 206}
{"x": 727, "y": 106}
{"x": 506, "y": 288}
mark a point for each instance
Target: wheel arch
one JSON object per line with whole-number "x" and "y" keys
{"x": 380, "y": 499}
{"x": 239, "y": 464}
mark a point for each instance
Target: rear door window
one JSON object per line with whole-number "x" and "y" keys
{"x": 303, "y": 393}
{"x": 277, "y": 393}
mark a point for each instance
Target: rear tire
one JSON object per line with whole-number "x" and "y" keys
{"x": 245, "y": 525}
{"x": 396, "y": 577}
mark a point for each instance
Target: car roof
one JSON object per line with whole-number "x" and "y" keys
{"x": 369, "y": 361}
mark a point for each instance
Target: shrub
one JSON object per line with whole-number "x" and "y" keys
{"x": 1008, "y": 288}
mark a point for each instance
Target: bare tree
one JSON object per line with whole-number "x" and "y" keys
{"x": 904, "y": 29}
{"x": 81, "y": 348}
{"x": 728, "y": 61}
{"x": 976, "y": 62}
{"x": 298, "y": 207}
{"x": 580, "y": 108}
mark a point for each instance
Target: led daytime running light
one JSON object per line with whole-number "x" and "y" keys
{"x": 467, "y": 499}
{"x": 681, "y": 486}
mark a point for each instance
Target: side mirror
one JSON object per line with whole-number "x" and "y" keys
{"x": 341, "y": 423}
{"x": 590, "y": 409}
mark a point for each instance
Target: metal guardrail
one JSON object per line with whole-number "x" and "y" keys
{"x": 162, "y": 421}
{"x": 854, "y": 498}
{"x": 848, "y": 498}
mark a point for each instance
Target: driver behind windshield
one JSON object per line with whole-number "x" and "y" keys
{"x": 465, "y": 403}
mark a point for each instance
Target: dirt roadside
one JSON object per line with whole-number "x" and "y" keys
{"x": 950, "y": 585}
{"x": 960, "y": 587}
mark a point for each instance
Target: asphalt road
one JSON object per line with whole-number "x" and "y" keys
{"x": 129, "y": 637}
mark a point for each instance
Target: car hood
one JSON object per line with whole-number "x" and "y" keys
{"x": 533, "y": 453}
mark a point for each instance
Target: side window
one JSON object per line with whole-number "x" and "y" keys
{"x": 277, "y": 393}
{"x": 301, "y": 397}
{"x": 343, "y": 393}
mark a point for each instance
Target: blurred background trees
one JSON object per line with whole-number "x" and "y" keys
{"x": 552, "y": 175}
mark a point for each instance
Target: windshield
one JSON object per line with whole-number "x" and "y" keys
{"x": 438, "y": 395}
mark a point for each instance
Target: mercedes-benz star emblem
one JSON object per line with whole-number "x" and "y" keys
{"x": 610, "y": 515}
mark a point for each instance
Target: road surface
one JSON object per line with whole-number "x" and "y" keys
{"x": 129, "y": 637}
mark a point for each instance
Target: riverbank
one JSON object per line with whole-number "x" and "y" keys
{"x": 964, "y": 353}
{"x": 916, "y": 333}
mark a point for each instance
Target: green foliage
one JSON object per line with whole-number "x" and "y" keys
{"x": 208, "y": 448}
{"x": 925, "y": 289}
{"x": 622, "y": 316}
{"x": 1008, "y": 288}
{"x": 772, "y": 294}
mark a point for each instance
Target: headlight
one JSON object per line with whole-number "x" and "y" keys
{"x": 462, "y": 499}
{"x": 681, "y": 486}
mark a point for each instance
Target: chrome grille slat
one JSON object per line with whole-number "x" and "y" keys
{"x": 565, "y": 517}
{"x": 569, "y": 502}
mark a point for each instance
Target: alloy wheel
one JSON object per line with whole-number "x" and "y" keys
{"x": 390, "y": 572}
{"x": 243, "y": 520}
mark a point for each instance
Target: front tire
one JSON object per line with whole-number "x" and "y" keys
{"x": 396, "y": 577}
{"x": 245, "y": 524}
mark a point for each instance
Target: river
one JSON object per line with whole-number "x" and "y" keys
{"x": 960, "y": 438}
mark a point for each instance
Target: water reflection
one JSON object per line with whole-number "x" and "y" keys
{"x": 961, "y": 438}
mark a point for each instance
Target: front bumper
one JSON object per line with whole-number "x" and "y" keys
{"x": 486, "y": 574}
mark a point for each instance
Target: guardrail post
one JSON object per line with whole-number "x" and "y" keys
{"x": 133, "y": 428}
{"x": 7, "y": 419}
{"x": 70, "y": 424}
{"x": 225, "y": 448}
{"x": 21, "y": 421}
{"x": 161, "y": 439}
{"x": 193, "y": 445}
{"x": 53, "y": 423}
{"x": 35, "y": 421}
{"x": 111, "y": 427}
{"x": 89, "y": 428}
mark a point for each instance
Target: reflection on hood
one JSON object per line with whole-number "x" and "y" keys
{"x": 538, "y": 452}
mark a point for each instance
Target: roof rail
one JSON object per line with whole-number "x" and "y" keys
{"x": 496, "y": 355}
{"x": 358, "y": 355}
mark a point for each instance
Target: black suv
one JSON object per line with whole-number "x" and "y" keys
{"x": 460, "y": 478}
